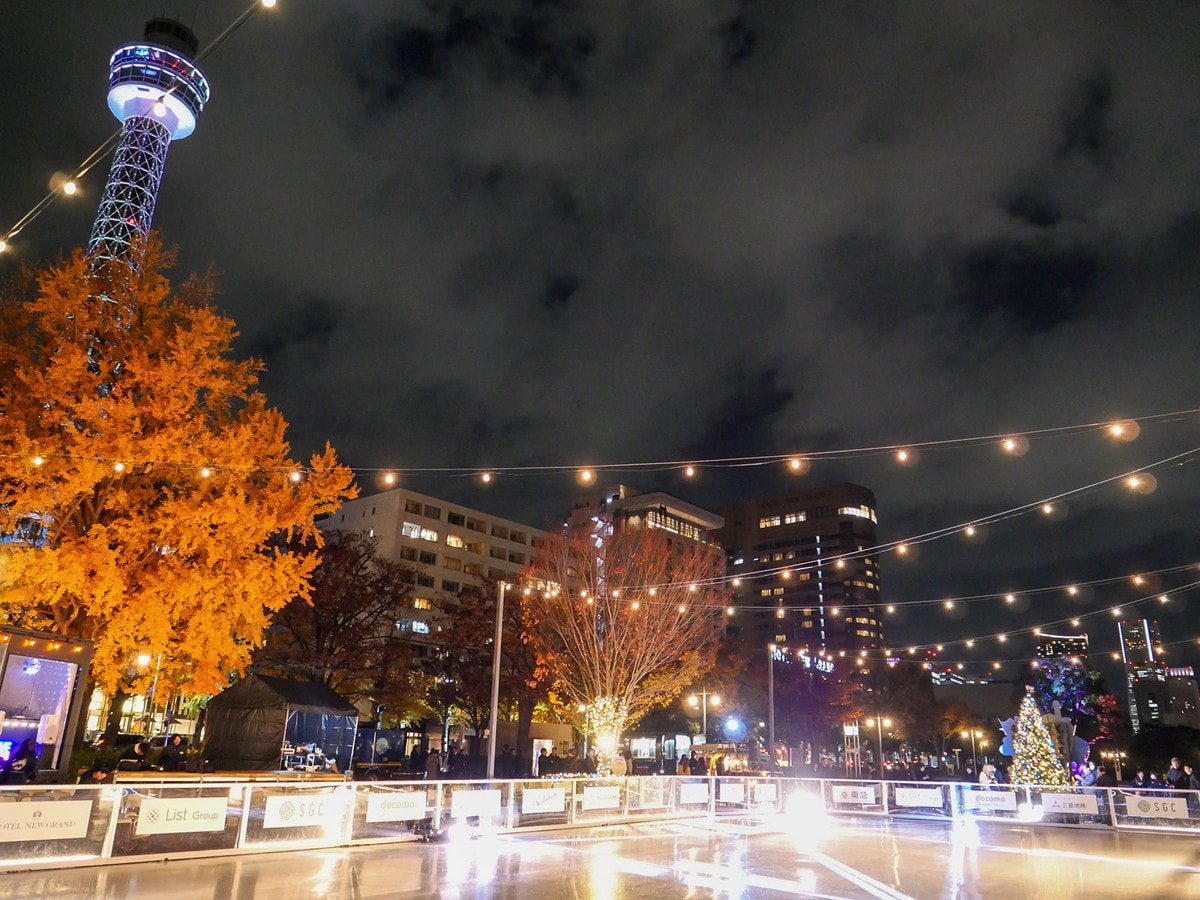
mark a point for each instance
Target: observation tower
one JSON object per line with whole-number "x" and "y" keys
{"x": 157, "y": 92}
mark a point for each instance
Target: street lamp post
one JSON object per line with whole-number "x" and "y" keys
{"x": 771, "y": 704}
{"x": 1116, "y": 756}
{"x": 491, "y": 757}
{"x": 974, "y": 760}
{"x": 702, "y": 701}
{"x": 880, "y": 724}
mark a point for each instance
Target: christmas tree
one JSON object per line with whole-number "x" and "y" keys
{"x": 1035, "y": 759}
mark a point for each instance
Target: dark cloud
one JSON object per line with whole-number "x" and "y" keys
{"x": 1087, "y": 127}
{"x": 1034, "y": 287}
{"x": 747, "y": 414}
{"x": 306, "y": 327}
{"x": 522, "y": 233}
{"x": 534, "y": 45}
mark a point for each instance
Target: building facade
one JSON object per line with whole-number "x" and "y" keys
{"x": 1158, "y": 694}
{"x": 622, "y": 506}
{"x": 1070, "y": 647}
{"x": 805, "y": 572}
{"x": 448, "y": 546}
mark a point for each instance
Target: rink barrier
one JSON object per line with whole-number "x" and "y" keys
{"x": 64, "y": 826}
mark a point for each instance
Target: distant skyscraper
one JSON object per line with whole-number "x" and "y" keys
{"x": 1158, "y": 694}
{"x": 806, "y": 572}
{"x": 1071, "y": 647}
{"x": 157, "y": 93}
{"x": 1139, "y": 641}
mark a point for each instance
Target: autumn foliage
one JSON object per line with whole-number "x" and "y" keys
{"x": 147, "y": 499}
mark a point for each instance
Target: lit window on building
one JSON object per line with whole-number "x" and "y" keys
{"x": 656, "y": 518}
{"x": 862, "y": 512}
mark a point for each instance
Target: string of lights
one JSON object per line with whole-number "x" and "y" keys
{"x": 68, "y": 185}
{"x": 1134, "y": 479}
{"x": 389, "y": 477}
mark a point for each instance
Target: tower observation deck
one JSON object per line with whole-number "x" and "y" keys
{"x": 157, "y": 92}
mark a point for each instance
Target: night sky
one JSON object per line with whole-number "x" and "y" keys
{"x": 501, "y": 234}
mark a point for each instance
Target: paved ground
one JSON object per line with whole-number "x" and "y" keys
{"x": 729, "y": 858}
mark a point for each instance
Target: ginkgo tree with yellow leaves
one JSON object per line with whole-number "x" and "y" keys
{"x": 147, "y": 497}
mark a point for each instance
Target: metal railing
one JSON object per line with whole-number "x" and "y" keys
{"x": 58, "y": 826}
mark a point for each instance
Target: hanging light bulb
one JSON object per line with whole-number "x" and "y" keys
{"x": 485, "y": 477}
{"x": 1125, "y": 430}
{"x": 798, "y": 465}
{"x": 1016, "y": 445}
{"x": 585, "y": 476}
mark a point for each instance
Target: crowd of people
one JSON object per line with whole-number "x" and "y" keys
{"x": 1179, "y": 776}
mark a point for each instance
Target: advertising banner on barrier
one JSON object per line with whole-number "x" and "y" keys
{"x": 853, "y": 793}
{"x": 652, "y": 793}
{"x": 1156, "y": 807}
{"x": 395, "y": 806}
{"x": 299, "y": 810}
{"x": 1081, "y": 804}
{"x": 990, "y": 800}
{"x": 692, "y": 792}
{"x": 39, "y": 820}
{"x": 765, "y": 792}
{"x": 926, "y": 797}
{"x": 601, "y": 797}
{"x": 731, "y": 792}
{"x": 543, "y": 800}
{"x": 179, "y": 815}
{"x": 485, "y": 804}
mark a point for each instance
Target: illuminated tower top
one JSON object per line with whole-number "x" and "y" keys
{"x": 157, "y": 92}
{"x": 158, "y": 72}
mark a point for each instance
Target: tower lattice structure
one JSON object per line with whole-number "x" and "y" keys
{"x": 157, "y": 92}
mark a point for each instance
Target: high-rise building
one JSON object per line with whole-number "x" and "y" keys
{"x": 157, "y": 93}
{"x": 624, "y": 507}
{"x": 447, "y": 545}
{"x": 1139, "y": 641}
{"x": 1071, "y": 647}
{"x": 1158, "y": 694}
{"x": 805, "y": 569}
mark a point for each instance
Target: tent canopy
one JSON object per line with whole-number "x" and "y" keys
{"x": 248, "y": 723}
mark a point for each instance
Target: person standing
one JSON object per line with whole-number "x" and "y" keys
{"x": 1175, "y": 777}
{"x": 21, "y": 766}
{"x": 1193, "y": 779}
{"x": 172, "y": 758}
{"x": 433, "y": 765}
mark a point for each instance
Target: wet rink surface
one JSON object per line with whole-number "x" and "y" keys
{"x": 726, "y": 858}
